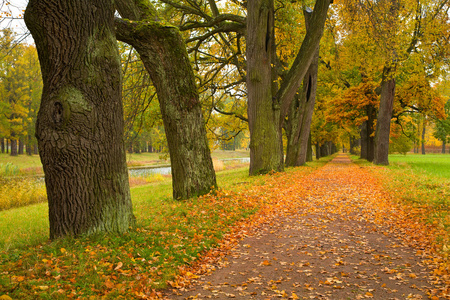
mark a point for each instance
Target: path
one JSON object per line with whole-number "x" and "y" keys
{"x": 336, "y": 244}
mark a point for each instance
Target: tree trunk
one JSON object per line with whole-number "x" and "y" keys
{"x": 14, "y": 151}
{"x": 3, "y": 145}
{"x": 264, "y": 105}
{"x": 371, "y": 114}
{"x": 423, "y": 138}
{"x": 324, "y": 150}
{"x": 443, "y": 147}
{"x": 7, "y": 146}
{"x": 266, "y": 153}
{"x": 309, "y": 153}
{"x": 301, "y": 111}
{"x": 35, "y": 149}
{"x": 381, "y": 152}
{"x": 80, "y": 121}
{"x": 28, "y": 145}
{"x": 317, "y": 151}
{"x": 364, "y": 141}
{"x": 21, "y": 146}
{"x": 163, "y": 52}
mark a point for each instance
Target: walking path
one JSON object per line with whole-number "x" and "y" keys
{"x": 333, "y": 235}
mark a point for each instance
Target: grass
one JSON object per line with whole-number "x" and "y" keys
{"x": 169, "y": 235}
{"x": 421, "y": 183}
{"x": 433, "y": 164}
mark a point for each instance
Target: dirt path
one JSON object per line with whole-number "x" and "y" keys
{"x": 333, "y": 238}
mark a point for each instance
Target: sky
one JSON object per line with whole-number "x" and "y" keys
{"x": 14, "y": 18}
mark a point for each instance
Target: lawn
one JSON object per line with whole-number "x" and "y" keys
{"x": 421, "y": 183}
{"x": 433, "y": 164}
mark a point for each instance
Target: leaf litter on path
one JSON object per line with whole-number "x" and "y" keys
{"x": 334, "y": 234}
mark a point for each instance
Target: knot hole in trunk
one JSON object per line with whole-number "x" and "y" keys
{"x": 58, "y": 113}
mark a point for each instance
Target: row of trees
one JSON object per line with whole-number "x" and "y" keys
{"x": 230, "y": 64}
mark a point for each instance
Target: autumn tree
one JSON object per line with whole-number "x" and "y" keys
{"x": 163, "y": 53}
{"x": 19, "y": 93}
{"x": 298, "y": 122}
{"x": 80, "y": 121}
{"x": 401, "y": 28}
{"x": 268, "y": 104}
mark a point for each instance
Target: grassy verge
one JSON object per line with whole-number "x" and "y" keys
{"x": 421, "y": 183}
{"x": 169, "y": 235}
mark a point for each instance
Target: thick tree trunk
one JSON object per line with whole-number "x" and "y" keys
{"x": 80, "y": 121}
{"x": 3, "y": 145}
{"x": 264, "y": 106}
{"x": 163, "y": 52}
{"x": 301, "y": 111}
{"x": 384, "y": 118}
{"x": 263, "y": 110}
{"x": 317, "y": 151}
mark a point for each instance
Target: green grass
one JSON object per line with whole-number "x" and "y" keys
{"x": 433, "y": 164}
{"x": 169, "y": 235}
{"x": 421, "y": 183}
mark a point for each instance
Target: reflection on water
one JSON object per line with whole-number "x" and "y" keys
{"x": 146, "y": 171}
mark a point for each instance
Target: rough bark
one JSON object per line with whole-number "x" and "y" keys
{"x": 263, "y": 109}
{"x": 301, "y": 111}
{"x": 383, "y": 128}
{"x": 163, "y": 52}
{"x": 80, "y": 121}
{"x": 267, "y": 110}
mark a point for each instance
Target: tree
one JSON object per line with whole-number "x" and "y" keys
{"x": 298, "y": 123}
{"x": 442, "y": 129}
{"x": 20, "y": 87}
{"x": 80, "y": 122}
{"x": 402, "y": 29}
{"x": 163, "y": 53}
{"x": 268, "y": 105}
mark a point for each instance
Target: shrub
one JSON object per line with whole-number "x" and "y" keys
{"x": 18, "y": 192}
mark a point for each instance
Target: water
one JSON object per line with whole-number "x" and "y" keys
{"x": 146, "y": 171}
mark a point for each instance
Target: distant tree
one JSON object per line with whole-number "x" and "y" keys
{"x": 442, "y": 129}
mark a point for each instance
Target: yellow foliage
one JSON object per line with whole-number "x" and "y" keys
{"x": 21, "y": 192}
